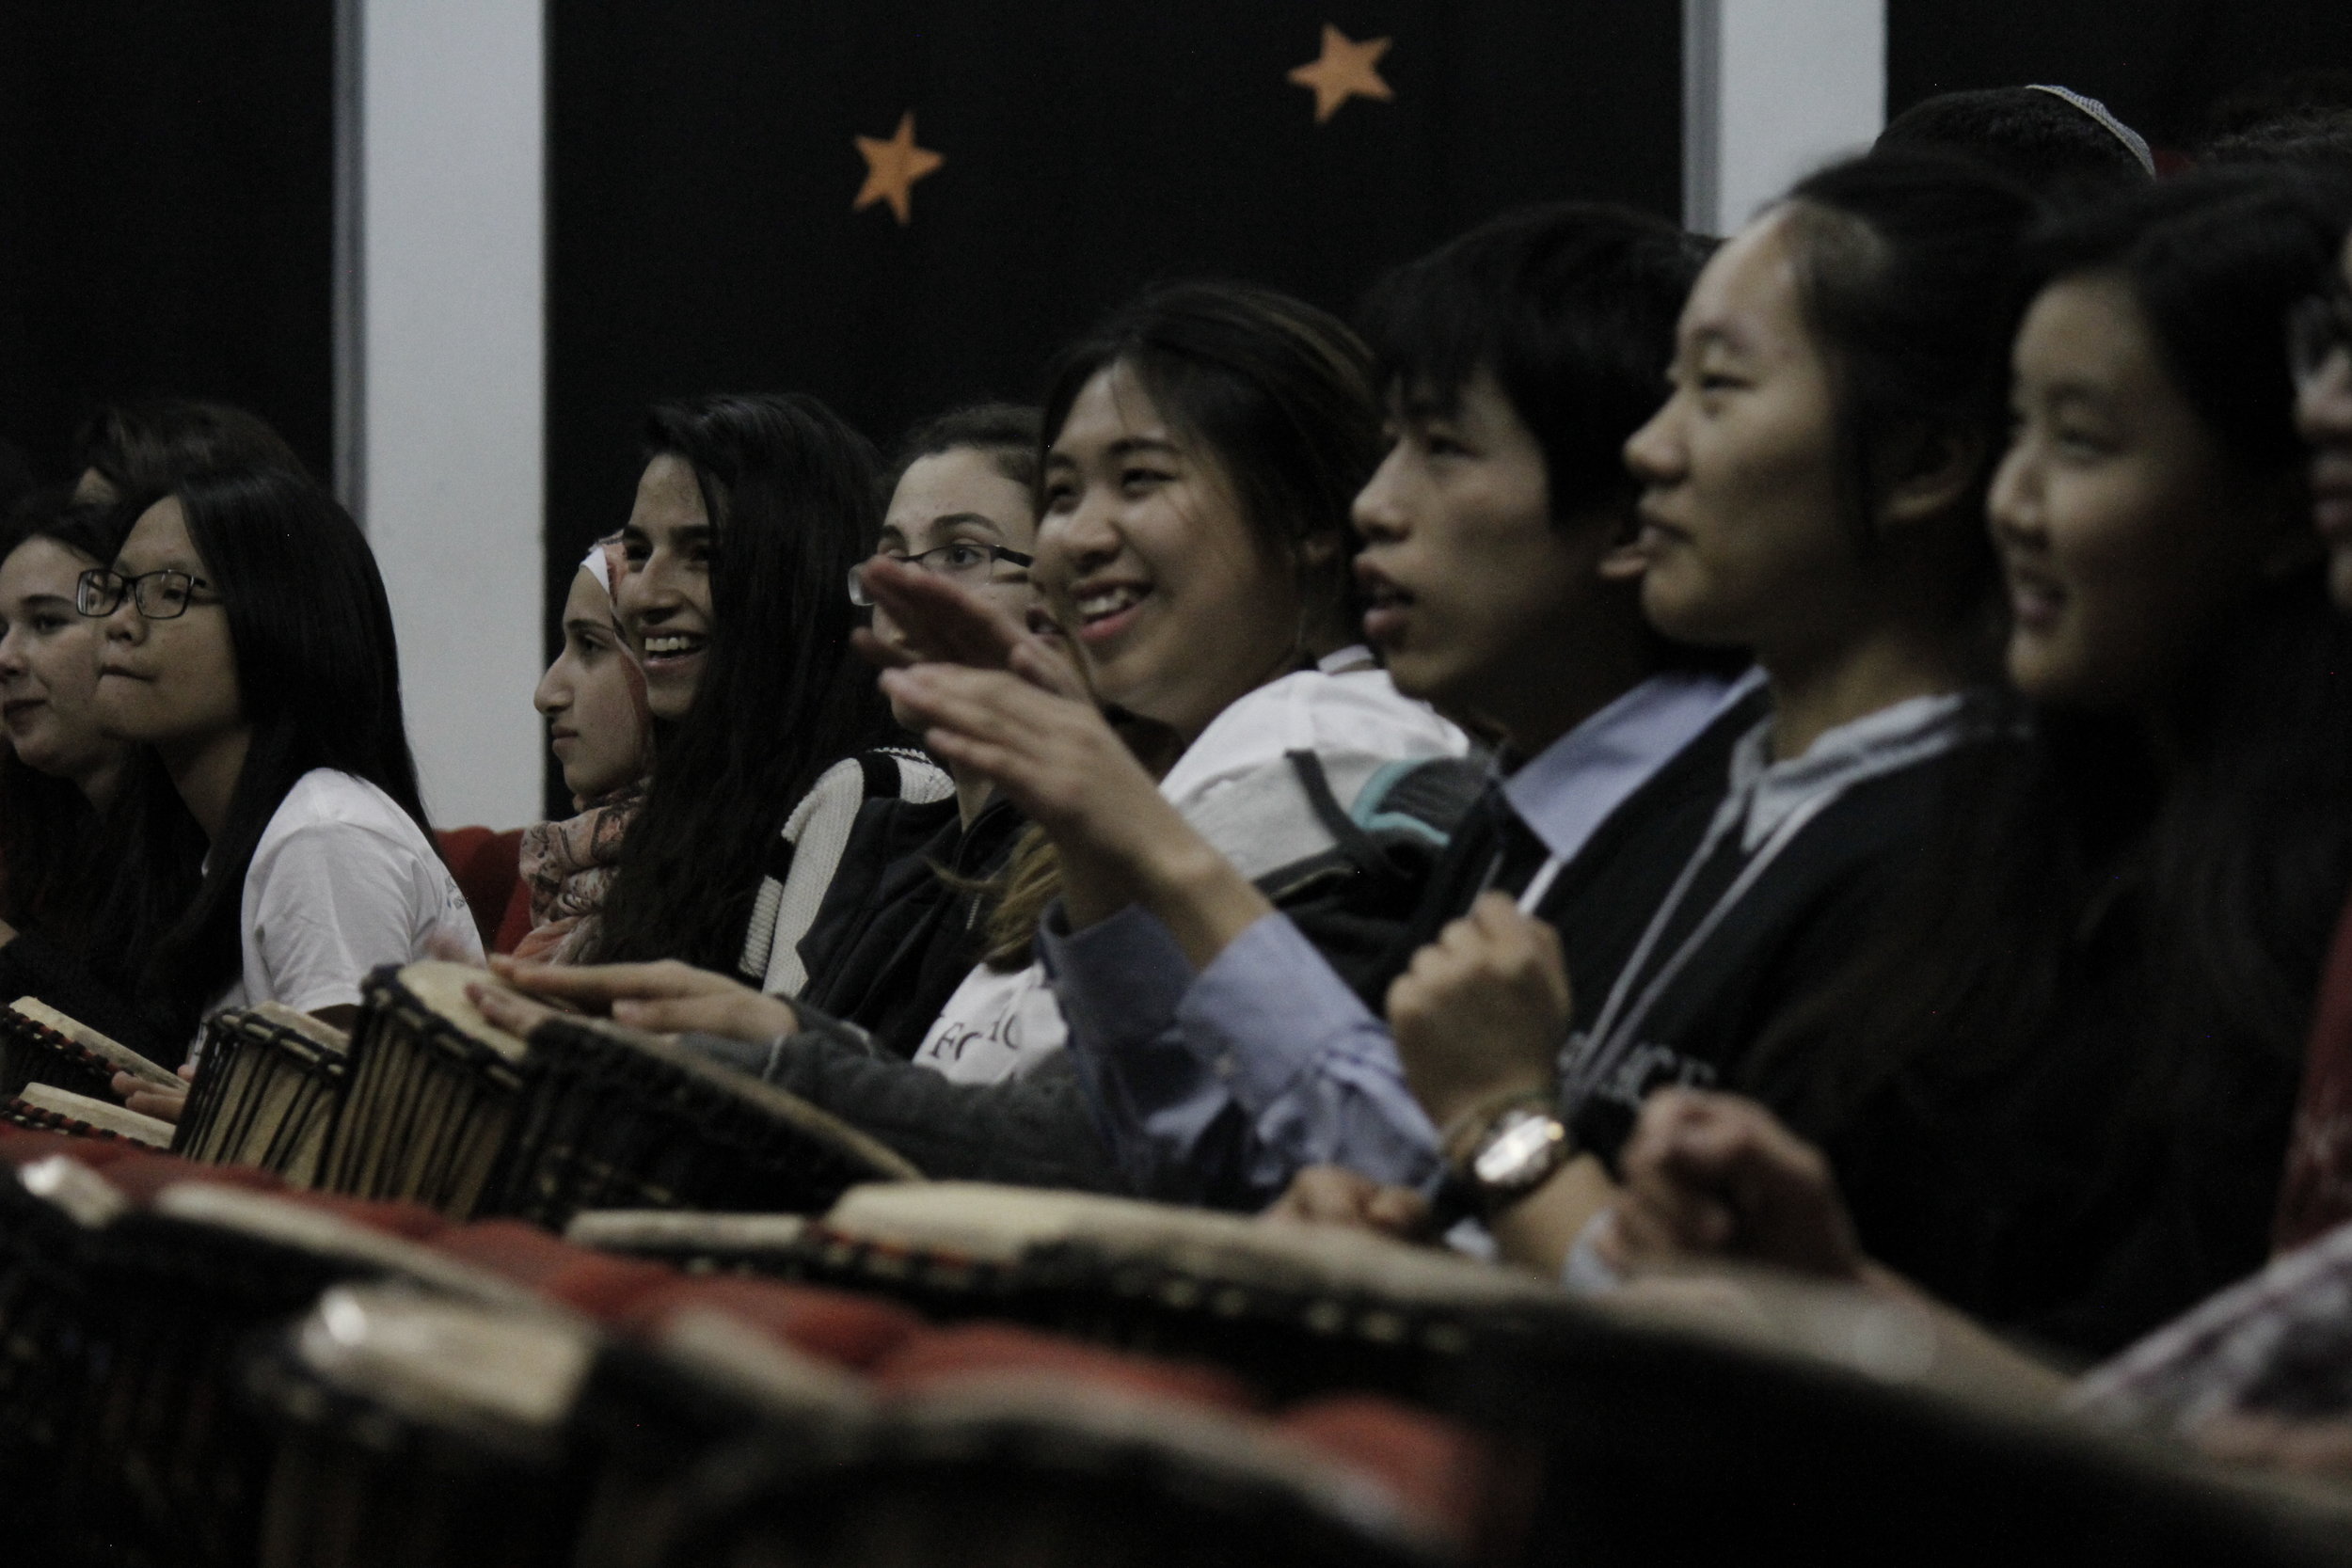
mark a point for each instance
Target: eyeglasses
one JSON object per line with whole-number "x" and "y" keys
{"x": 964, "y": 560}
{"x": 160, "y": 595}
{"x": 2318, "y": 329}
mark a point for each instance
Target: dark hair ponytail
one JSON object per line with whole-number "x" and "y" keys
{"x": 1908, "y": 271}
{"x": 791, "y": 494}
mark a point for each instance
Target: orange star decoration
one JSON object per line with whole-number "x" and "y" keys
{"x": 1346, "y": 70}
{"x": 892, "y": 167}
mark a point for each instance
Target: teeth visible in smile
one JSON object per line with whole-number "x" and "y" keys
{"x": 659, "y": 646}
{"x": 1108, "y": 601}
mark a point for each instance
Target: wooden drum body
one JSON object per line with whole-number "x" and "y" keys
{"x": 431, "y": 1092}
{"x": 265, "y": 1091}
{"x": 612, "y": 1117}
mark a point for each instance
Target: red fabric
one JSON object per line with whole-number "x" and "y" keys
{"x": 833, "y": 1325}
{"x": 975, "y": 1349}
{"x": 522, "y": 1253}
{"x": 487, "y": 865}
{"x": 410, "y": 1222}
{"x": 2316, "y": 1194}
{"x": 599, "y": 1284}
{"x": 1437, "y": 1467}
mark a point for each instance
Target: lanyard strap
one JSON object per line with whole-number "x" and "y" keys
{"x": 1613, "y": 1035}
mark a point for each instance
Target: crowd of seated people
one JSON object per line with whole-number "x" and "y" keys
{"x": 1828, "y": 750}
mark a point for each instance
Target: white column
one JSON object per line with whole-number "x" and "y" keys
{"x": 1771, "y": 89}
{"x": 442, "y": 402}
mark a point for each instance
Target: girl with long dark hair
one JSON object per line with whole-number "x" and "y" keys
{"x": 2056, "y": 1092}
{"x": 750, "y": 513}
{"x": 278, "y": 849}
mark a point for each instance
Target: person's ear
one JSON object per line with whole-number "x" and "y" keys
{"x": 1926, "y": 474}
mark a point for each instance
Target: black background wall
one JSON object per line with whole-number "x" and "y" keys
{"x": 701, "y": 239}
{"x": 167, "y": 198}
{"x": 2158, "y": 64}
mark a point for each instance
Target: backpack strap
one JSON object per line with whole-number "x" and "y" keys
{"x": 802, "y": 864}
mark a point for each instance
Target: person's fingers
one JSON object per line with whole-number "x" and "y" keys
{"x": 604, "y": 983}
{"x": 1324, "y": 1195}
{"x": 162, "y": 1105}
{"x": 1048, "y": 667}
{"x": 1398, "y": 1211}
{"x": 941, "y": 619}
{"x": 517, "y": 1015}
{"x": 874, "y": 651}
{"x": 753, "y": 1018}
{"x": 186, "y": 1073}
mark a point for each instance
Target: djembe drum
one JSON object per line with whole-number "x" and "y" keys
{"x": 162, "y": 1462}
{"x": 613, "y": 1118}
{"x": 1762, "y": 1418}
{"x": 45, "y": 1108}
{"x": 1295, "y": 1309}
{"x": 1029, "y": 1472}
{"x": 40, "y": 1045}
{"x": 429, "y": 1095}
{"x": 420, "y": 1432}
{"x": 267, "y": 1087}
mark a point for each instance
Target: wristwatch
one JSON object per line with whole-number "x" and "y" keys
{"x": 1522, "y": 1144}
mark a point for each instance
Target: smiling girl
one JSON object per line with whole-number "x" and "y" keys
{"x": 749, "y": 513}
{"x": 2056, "y": 1092}
{"x": 248, "y": 652}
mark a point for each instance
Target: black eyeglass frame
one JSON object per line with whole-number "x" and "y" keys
{"x": 100, "y": 591}
{"x": 995, "y": 553}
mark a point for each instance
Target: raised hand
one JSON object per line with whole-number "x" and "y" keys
{"x": 942, "y": 622}
{"x": 1714, "y": 1175}
{"x": 1481, "y": 1013}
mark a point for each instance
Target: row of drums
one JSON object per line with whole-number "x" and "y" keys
{"x": 439, "y": 1297}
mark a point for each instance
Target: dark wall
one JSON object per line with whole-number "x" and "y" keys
{"x": 167, "y": 204}
{"x": 702, "y": 168}
{"x": 2158, "y": 64}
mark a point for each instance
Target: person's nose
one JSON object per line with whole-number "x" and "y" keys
{"x": 1378, "y": 511}
{"x": 1654, "y": 453}
{"x": 2013, "y": 505}
{"x": 1084, "y": 539}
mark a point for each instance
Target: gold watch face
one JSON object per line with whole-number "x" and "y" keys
{"x": 1520, "y": 1150}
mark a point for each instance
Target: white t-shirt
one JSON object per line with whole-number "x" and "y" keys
{"x": 1237, "y": 786}
{"x": 341, "y": 881}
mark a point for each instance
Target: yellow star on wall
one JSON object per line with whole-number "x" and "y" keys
{"x": 1345, "y": 69}
{"x": 892, "y": 167}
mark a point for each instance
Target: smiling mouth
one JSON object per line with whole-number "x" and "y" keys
{"x": 672, "y": 646}
{"x": 1104, "y": 613}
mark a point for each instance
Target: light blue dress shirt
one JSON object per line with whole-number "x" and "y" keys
{"x": 1219, "y": 1086}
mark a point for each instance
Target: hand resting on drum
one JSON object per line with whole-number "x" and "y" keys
{"x": 664, "y": 998}
{"x": 150, "y": 1100}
